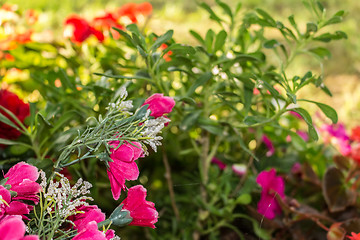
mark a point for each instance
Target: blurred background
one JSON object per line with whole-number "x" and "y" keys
{"x": 341, "y": 71}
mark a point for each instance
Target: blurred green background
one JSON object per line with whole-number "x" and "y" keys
{"x": 341, "y": 71}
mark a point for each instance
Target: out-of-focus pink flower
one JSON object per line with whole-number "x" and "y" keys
{"x": 303, "y": 135}
{"x": 271, "y": 185}
{"x": 354, "y": 236}
{"x": 355, "y": 134}
{"x": 90, "y": 213}
{"x": 13, "y": 228}
{"x": 22, "y": 178}
{"x": 296, "y": 168}
{"x": 336, "y": 134}
{"x": 269, "y": 145}
{"x": 218, "y": 162}
{"x": 123, "y": 166}
{"x": 159, "y": 105}
{"x": 295, "y": 114}
{"x": 90, "y": 231}
{"x": 21, "y": 110}
{"x": 239, "y": 169}
{"x": 80, "y": 30}
{"x": 143, "y": 212}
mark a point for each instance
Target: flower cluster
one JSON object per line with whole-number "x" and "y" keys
{"x": 79, "y": 29}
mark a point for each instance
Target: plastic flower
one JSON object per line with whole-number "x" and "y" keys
{"x": 22, "y": 178}
{"x": 13, "y": 228}
{"x": 123, "y": 166}
{"x": 15, "y": 105}
{"x": 159, "y": 105}
{"x": 78, "y": 29}
{"x": 143, "y": 212}
{"x": 271, "y": 185}
{"x": 269, "y": 145}
{"x": 354, "y": 236}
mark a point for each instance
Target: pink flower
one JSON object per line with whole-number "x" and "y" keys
{"x": 143, "y": 212}
{"x": 303, "y": 135}
{"x": 295, "y": 114}
{"x": 22, "y": 178}
{"x": 219, "y": 163}
{"x": 91, "y": 213}
{"x": 13, "y": 228}
{"x": 159, "y": 105}
{"x": 271, "y": 185}
{"x": 269, "y": 145}
{"x": 296, "y": 168}
{"x": 239, "y": 169}
{"x": 336, "y": 133}
{"x": 90, "y": 231}
{"x": 123, "y": 166}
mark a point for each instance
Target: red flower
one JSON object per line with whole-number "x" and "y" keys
{"x": 143, "y": 212}
{"x": 81, "y": 30}
{"x": 132, "y": 10}
{"x": 106, "y": 23}
{"x": 159, "y": 105}
{"x": 355, "y": 134}
{"x": 15, "y": 105}
{"x": 166, "y": 56}
{"x": 354, "y": 236}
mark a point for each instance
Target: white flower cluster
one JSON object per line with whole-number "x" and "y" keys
{"x": 64, "y": 199}
{"x": 115, "y": 238}
{"x": 152, "y": 127}
{"x": 120, "y": 104}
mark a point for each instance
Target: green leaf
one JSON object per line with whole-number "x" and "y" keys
{"x": 137, "y": 36}
{"x": 333, "y": 20}
{"x": 297, "y": 141}
{"x": 7, "y": 121}
{"x": 141, "y": 51}
{"x": 9, "y": 142}
{"x": 306, "y": 116}
{"x": 266, "y": 17}
{"x": 190, "y": 120}
{"x": 271, "y": 43}
{"x": 126, "y": 36}
{"x": 199, "y": 82}
{"x": 123, "y": 77}
{"x": 320, "y": 6}
{"x": 162, "y": 39}
{"x": 226, "y": 8}
{"x": 197, "y": 36}
{"x": 326, "y": 109}
{"x": 220, "y": 40}
{"x": 321, "y": 52}
{"x": 209, "y": 39}
{"x": 311, "y": 27}
{"x": 211, "y": 12}
{"x": 327, "y": 37}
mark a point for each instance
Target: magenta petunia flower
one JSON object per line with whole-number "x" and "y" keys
{"x": 269, "y": 145}
{"x": 123, "y": 166}
{"x": 271, "y": 185}
{"x": 336, "y": 134}
{"x": 12, "y": 227}
{"x": 22, "y": 178}
{"x": 90, "y": 231}
{"x": 159, "y": 105}
{"x": 143, "y": 212}
{"x": 218, "y": 162}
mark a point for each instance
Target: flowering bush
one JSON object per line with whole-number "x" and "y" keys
{"x": 240, "y": 155}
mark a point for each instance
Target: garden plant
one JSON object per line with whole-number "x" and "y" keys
{"x": 113, "y": 126}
